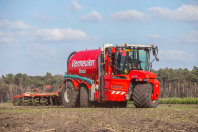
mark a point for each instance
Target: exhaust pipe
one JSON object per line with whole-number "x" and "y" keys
{"x": 102, "y": 75}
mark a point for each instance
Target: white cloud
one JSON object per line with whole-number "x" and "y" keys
{"x": 154, "y": 36}
{"x": 6, "y": 37}
{"x": 194, "y": 2}
{"x": 12, "y": 45}
{"x": 43, "y": 18}
{"x": 74, "y": 6}
{"x": 68, "y": 16}
{"x": 92, "y": 17}
{"x": 130, "y": 15}
{"x": 58, "y": 34}
{"x": 195, "y": 25}
{"x": 19, "y": 25}
{"x": 33, "y": 33}
{"x": 38, "y": 51}
{"x": 94, "y": 38}
{"x": 190, "y": 37}
{"x": 186, "y": 13}
{"x": 174, "y": 55}
{"x": 4, "y": 22}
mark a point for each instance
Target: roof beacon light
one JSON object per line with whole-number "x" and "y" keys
{"x": 125, "y": 44}
{"x": 152, "y": 45}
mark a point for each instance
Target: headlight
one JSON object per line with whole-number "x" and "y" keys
{"x": 118, "y": 77}
{"x": 141, "y": 79}
{"x": 145, "y": 79}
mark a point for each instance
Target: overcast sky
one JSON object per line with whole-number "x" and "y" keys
{"x": 37, "y": 36}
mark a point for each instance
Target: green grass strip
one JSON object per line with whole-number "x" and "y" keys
{"x": 178, "y": 101}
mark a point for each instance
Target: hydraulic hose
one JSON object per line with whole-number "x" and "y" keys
{"x": 75, "y": 76}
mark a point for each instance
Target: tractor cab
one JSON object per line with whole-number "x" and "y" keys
{"x": 133, "y": 57}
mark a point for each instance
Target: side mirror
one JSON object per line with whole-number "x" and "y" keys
{"x": 154, "y": 53}
{"x": 157, "y": 59}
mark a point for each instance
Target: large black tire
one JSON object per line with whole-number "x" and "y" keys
{"x": 84, "y": 97}
{"x": 69, "y": 90}
{"x": 142, "y": 96}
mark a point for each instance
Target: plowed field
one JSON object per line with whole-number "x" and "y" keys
{"x": 164, "y": 118}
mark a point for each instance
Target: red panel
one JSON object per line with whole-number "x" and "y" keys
{"x": 111, "y": 95}
{"x": 156, "y": 88}
{"x": 116, "y": 84}
{"x": 84, "y": 63}
{"x": 141, "y": 74}
{"x": 96, "y": 95}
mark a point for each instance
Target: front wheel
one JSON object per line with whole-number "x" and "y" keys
{"x": 142, "y": 96}
{"x": 69, "y": 95}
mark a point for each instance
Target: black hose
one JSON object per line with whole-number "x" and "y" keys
{"x": 68, "y": 59}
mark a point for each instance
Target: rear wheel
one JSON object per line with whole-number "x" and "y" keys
{"x": 69, "y": 95}
{"x": 142, "y": 96}
{"x": 84, "y": 97}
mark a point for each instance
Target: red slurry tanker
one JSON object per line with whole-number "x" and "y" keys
{"x": 111, "y": 76}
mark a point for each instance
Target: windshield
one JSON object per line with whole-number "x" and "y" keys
{"x": 131, "y": 59}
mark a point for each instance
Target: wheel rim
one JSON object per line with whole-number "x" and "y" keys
{"x": 67, "y": 95}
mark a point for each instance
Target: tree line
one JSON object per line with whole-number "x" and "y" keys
{"x": 173, "y": 83}
{"x": 177, "y": 83}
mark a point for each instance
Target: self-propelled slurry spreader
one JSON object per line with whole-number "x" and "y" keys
{"x": 111, "y": 76}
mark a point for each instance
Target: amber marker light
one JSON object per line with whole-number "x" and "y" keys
{"x": 125, "y": 44}
{"x": 152, "y": 45}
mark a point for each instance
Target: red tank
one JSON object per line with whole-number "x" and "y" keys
{"x": 84, "y": 63}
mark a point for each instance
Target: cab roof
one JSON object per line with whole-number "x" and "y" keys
{"x": 134, "y": 45}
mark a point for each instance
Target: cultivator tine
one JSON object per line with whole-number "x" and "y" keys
{"x": 24, "y": 101}
{"x": 51, "y": 101}
{"x": 33, "y": 102}
{"x": 42, "y": 101}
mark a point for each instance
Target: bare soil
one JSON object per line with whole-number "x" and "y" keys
{"x": 47, "y": 119}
